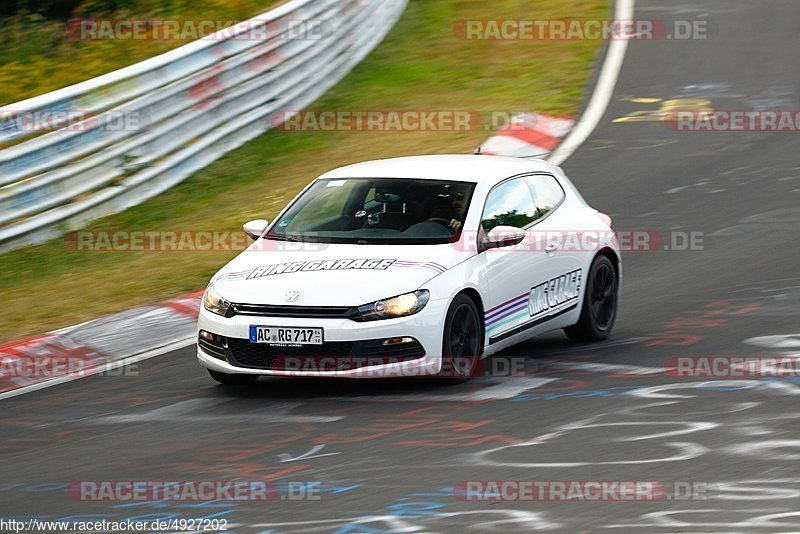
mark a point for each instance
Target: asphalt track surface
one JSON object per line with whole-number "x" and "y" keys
{"x": 385, "y": 453}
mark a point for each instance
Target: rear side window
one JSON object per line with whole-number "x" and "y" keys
{"x": 547, "y": 192}
{"x": 509, "y": 204}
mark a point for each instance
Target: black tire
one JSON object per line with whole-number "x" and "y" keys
{"x": 232, "y": 379}
{"x": 599, "y": 310}
{"x": 462, "y": 342}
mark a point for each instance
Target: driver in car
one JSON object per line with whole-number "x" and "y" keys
{"x": 455, "y": 210}
{"x": 459, "y": 204}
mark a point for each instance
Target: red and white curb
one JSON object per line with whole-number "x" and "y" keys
{"x": 528, "y": 135}
{"x": 97, "y": 346}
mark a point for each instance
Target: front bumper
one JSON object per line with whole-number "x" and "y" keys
{"x": 426, "y": 327}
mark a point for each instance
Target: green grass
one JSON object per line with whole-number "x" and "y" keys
{"x": 37, "y": 55}
{"x": 420, "y": 66}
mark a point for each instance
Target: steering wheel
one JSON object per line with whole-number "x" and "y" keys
{"x": 440, "y": 220}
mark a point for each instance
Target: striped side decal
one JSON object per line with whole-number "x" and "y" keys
{"x": 239, "y": 275}
{"x": 430, "y": 266}
{"x": 506, "y": 312}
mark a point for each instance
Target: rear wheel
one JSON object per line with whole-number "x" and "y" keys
{"x": 599, "y": 309}
{"x": 232, "y": 379}
{"x": 462, "y": 344}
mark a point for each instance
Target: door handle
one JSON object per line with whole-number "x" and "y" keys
{"x": 552, "y": 247}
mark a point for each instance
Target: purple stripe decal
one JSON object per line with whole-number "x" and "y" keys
{"x": 428, "y": 266}
{"x": 430, "y": 263}
{"x": 228, "y": 276}
{"x": 510, "y": 311}
{"x": 496, "y": 308}
{"x": 502, "y": 307}
{"x": 506, "y": 311}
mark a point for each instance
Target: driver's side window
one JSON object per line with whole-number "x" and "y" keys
{"x": 509, "y": 204}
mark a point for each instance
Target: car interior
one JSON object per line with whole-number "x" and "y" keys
{"x": 391, "y": 208}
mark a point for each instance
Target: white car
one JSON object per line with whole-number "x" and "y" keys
{"x": 415, "y": 266}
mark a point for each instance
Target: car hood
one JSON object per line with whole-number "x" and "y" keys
{"x": 334, "y": 275}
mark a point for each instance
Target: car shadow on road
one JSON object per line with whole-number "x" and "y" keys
{"x": 499, "y": 373}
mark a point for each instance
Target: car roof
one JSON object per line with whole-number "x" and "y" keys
{"x": 469, "y": 168}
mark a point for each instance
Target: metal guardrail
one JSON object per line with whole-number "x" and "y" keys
{"x": 192, "y": 105}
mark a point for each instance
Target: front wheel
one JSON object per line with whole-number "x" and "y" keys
{"x": 232, "y": 379}
{"x": 599, "y": 310}
{"x": 462, "y": 344}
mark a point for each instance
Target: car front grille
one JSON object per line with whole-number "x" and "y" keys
{"x": 270, "y": 310}
{"x": 262, "y": 356}
{"x": 330, "y": 356}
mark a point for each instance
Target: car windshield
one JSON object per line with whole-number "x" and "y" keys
{"x": 377, "y": 211}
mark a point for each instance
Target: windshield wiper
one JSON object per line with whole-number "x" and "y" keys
{"x": 284, "y": 238}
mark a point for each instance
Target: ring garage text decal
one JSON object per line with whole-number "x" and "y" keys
{"x": 555, "y": 295}
{"x": 319, "y": 265}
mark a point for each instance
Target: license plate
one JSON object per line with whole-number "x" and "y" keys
{"x": 281, "y": 335}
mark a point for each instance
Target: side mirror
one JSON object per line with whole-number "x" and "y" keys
{"x": 255, "y": 228}
{"x": 503, "y": 236}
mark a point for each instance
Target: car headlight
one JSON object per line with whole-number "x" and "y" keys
{"x": 399, "y": 306}
{"x": 213, "y": 302}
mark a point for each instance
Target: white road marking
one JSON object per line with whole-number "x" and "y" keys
{"x": 180, "y": 413}
{"x": 603, "y": 91}
{"x": 768, "y": 449}
{"x": 665, "y": 391}
{"x": 481, "y": 520}
{"x": 285, "y": 457}
{"x": 785, "y": 341}
{"x": 609, "y": 368}
{"x": 508, "y": 388}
